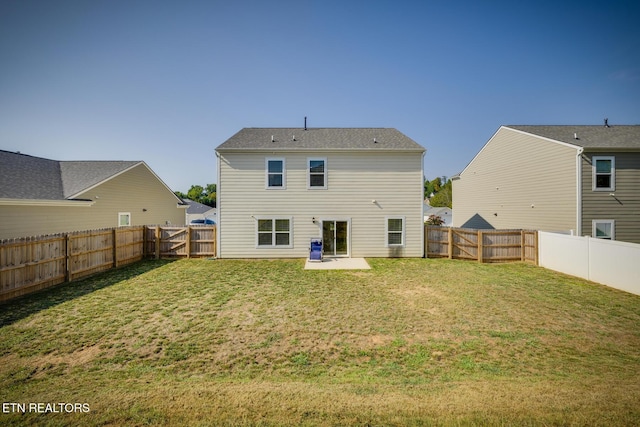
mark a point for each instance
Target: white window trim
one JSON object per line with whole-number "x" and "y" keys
{"x": 266, "y": 173}
{"x": 603, "y": 221}
{"x": 594, "y": 159}
{"x": 386, "y": 232}
{"x": 273, "y": 232}
{"x": 326, "y": 174}
{"x": 120, "y": 215}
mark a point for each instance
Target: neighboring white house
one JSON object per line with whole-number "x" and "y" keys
{"x": 360, "y": 189}
{"x": 445, "y": 213}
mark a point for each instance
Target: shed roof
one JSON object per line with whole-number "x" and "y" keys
{"x": 596, "y": 137}
{"x": 324, "y": 139}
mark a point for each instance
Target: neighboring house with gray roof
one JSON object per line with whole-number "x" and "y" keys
{"x": 196, "y": 210}
{"x": 360, "y": 189}
{"x": 445, "y": 214}
{"x": 41, "y": 196}
{"x": 575, "y": 179}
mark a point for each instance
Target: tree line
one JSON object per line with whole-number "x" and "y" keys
{"x": 439, "y": 192}
{"x": 205, "y": 195}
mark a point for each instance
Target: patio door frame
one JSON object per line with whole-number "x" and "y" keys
{"x": 348, "y": 244}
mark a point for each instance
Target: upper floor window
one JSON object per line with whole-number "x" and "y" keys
{"x": 276, "y": 174}
{"x": 604, "y": 173}
{"x": 317, "y": 173}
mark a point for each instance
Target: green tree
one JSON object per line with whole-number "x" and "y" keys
{"x": 444, "y": 197}
{"x": 210, "y": 191}
{"x": 197, "y": 193}
{"x": 433, "y": 186}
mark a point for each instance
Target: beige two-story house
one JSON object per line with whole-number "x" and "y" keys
{"x": 359, "y": 189}
{"x": 583, "y": 180}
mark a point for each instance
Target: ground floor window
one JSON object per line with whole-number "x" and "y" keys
{"x": 274, "y": 232}
{"x": 604, "y": 229}
{"x": 124, "y": 219}
{"x": 395, "y": 227}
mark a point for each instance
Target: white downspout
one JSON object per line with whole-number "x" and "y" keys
{"x": 424, "y": 253}
{"x": 218, "y": 204}
{"x": 579, "y": 191}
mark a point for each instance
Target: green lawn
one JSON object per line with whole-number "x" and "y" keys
{"x": 410, "y": 342}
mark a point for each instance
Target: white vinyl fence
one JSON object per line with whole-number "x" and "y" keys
{"x": 611, "y": 263}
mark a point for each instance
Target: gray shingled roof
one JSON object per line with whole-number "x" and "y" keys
{"x": 29, "y": 177}
{"x": 323, "y": 139}
{"x": 195, "y": 207}
{"x": 80, "y": 175}
{"x": 597, "y": 137}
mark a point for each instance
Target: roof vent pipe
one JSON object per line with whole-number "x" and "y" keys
{"x": 272, "y": 140}
{"x": 305, "y": 122}
{"x": 575, "y": 136}
{"x": 606, "y": 123}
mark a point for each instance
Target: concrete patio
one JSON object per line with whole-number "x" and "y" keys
{"x": 338, "y": 264}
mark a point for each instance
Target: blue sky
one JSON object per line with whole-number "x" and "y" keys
{"x": 168, "y": 81}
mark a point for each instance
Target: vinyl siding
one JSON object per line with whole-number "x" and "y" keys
{"x": 518, "y": 180}
{"x": 394, "y": 180}
{"x": 132, "y": 191}
{"x": 624, "y": 208}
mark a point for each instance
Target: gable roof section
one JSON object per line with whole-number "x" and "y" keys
{"x": 78, "y": 176}
{"x": 34, "y": 178}
{"x": 320, "y": 139}
{"x": 28, "y": 177}
{"x": 589, "y": 137}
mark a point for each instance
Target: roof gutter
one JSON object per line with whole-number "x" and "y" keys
{"x": 315, "y": 150}
{"x": 42, "y": 202}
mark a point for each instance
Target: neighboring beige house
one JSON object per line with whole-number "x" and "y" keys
{"x": 360, "y": 189}
{"x": 583, "y": 180}
{"x": 41, "y": 196}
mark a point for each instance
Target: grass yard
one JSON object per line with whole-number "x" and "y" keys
{"x": 410, "y": 342}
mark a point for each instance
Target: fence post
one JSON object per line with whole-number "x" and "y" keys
{"x": 144, "y": 241}
{"x": 157, "y": 242}
{"x": 523, "y": 247}
{"x": 188, "y": 248}
{"x": 67, "y": 258}
{"x": 450, "y": 239}
{"x": 480, "y": 247}
{"x": 115, "y": 247}
{"x": 426, "y": 241}
{"x": 536, "y": 249}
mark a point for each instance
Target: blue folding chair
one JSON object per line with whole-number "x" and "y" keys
{"x": 315, "y": 250}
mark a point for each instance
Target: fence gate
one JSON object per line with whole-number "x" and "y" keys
{"x": 481, "y": 245}
{"x": 181, "y": 242}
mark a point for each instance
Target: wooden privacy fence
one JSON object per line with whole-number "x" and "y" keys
{"x": 481, "y": 245}
{"x": 31, "y": 264}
